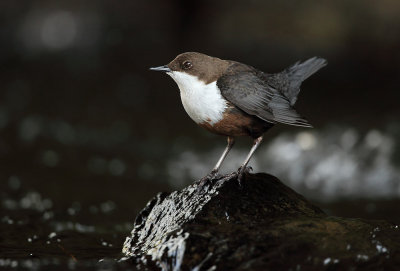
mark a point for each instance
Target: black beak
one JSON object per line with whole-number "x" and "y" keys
{"x": 161, "y": 69}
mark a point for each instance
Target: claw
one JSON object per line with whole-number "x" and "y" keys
{"x": 203, "y": 183}
{"x": 241, "y": 171}
{"x": 207, "y": 180}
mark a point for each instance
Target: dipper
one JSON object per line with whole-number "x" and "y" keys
{"x": 234, "y": 99}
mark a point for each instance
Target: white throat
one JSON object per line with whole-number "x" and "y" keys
{"x": 203, "y": 102}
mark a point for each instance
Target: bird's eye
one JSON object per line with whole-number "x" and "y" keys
{"x": 187, "y": 65}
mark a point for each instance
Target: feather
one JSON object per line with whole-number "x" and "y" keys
{"x": 248, "y": 89}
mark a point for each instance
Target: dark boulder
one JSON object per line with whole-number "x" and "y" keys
{"x": 261, "y": 225}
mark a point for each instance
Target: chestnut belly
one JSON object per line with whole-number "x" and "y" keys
{"x": 236, "y": 122}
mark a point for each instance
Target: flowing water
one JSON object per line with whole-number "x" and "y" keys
{"x": 88, "y": 135}
{"x": 55, "y": 217}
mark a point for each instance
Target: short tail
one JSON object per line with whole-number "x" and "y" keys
{"x": 299, "y": 72}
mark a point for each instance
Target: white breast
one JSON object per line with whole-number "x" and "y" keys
{"x": 203, "y": 102}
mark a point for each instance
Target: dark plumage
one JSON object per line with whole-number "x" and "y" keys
{"x": 234, "y": 99}
{"x": 269, "y": 97}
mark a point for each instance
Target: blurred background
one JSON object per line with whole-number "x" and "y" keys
{"x": 88, "y": 135}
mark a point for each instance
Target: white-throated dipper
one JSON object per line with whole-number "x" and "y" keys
{"x": 234, "y": 99}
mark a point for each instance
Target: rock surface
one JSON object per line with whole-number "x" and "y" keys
{"x": 261, "y": 225}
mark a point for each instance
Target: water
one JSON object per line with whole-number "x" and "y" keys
{"x": 324, "y": 165}
{"x": 88, "y": 135}
{"x": 36, "y": 234}
{"x": 53, "y": 219}
{"x": 70, "y": 190}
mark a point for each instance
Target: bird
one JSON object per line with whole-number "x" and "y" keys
{"x": 233, "y": 99}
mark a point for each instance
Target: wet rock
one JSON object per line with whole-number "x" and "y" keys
{"x": 261, "y": 225}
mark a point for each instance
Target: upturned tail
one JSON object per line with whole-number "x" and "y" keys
{"x": 297, "y": 73}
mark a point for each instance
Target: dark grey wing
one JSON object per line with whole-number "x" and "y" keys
{"x": 247, "y": 89}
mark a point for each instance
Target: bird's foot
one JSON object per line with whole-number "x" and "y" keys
{"x": 207, "y": 180}
{"x": 240, "y": 173}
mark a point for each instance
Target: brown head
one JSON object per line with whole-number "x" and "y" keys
{"x": 206, "y": 68}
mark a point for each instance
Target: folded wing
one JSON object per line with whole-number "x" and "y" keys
{"x": 247, "y": 88}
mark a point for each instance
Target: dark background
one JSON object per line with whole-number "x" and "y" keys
{"x": 85, "y": 126}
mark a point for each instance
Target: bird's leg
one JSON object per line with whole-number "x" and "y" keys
{"x": 231, "y": 142}
{"x": 214, "y": 172}
{"x": 243, "y": 167}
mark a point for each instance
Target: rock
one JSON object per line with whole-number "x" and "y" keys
{"x": 261, "y": 225}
